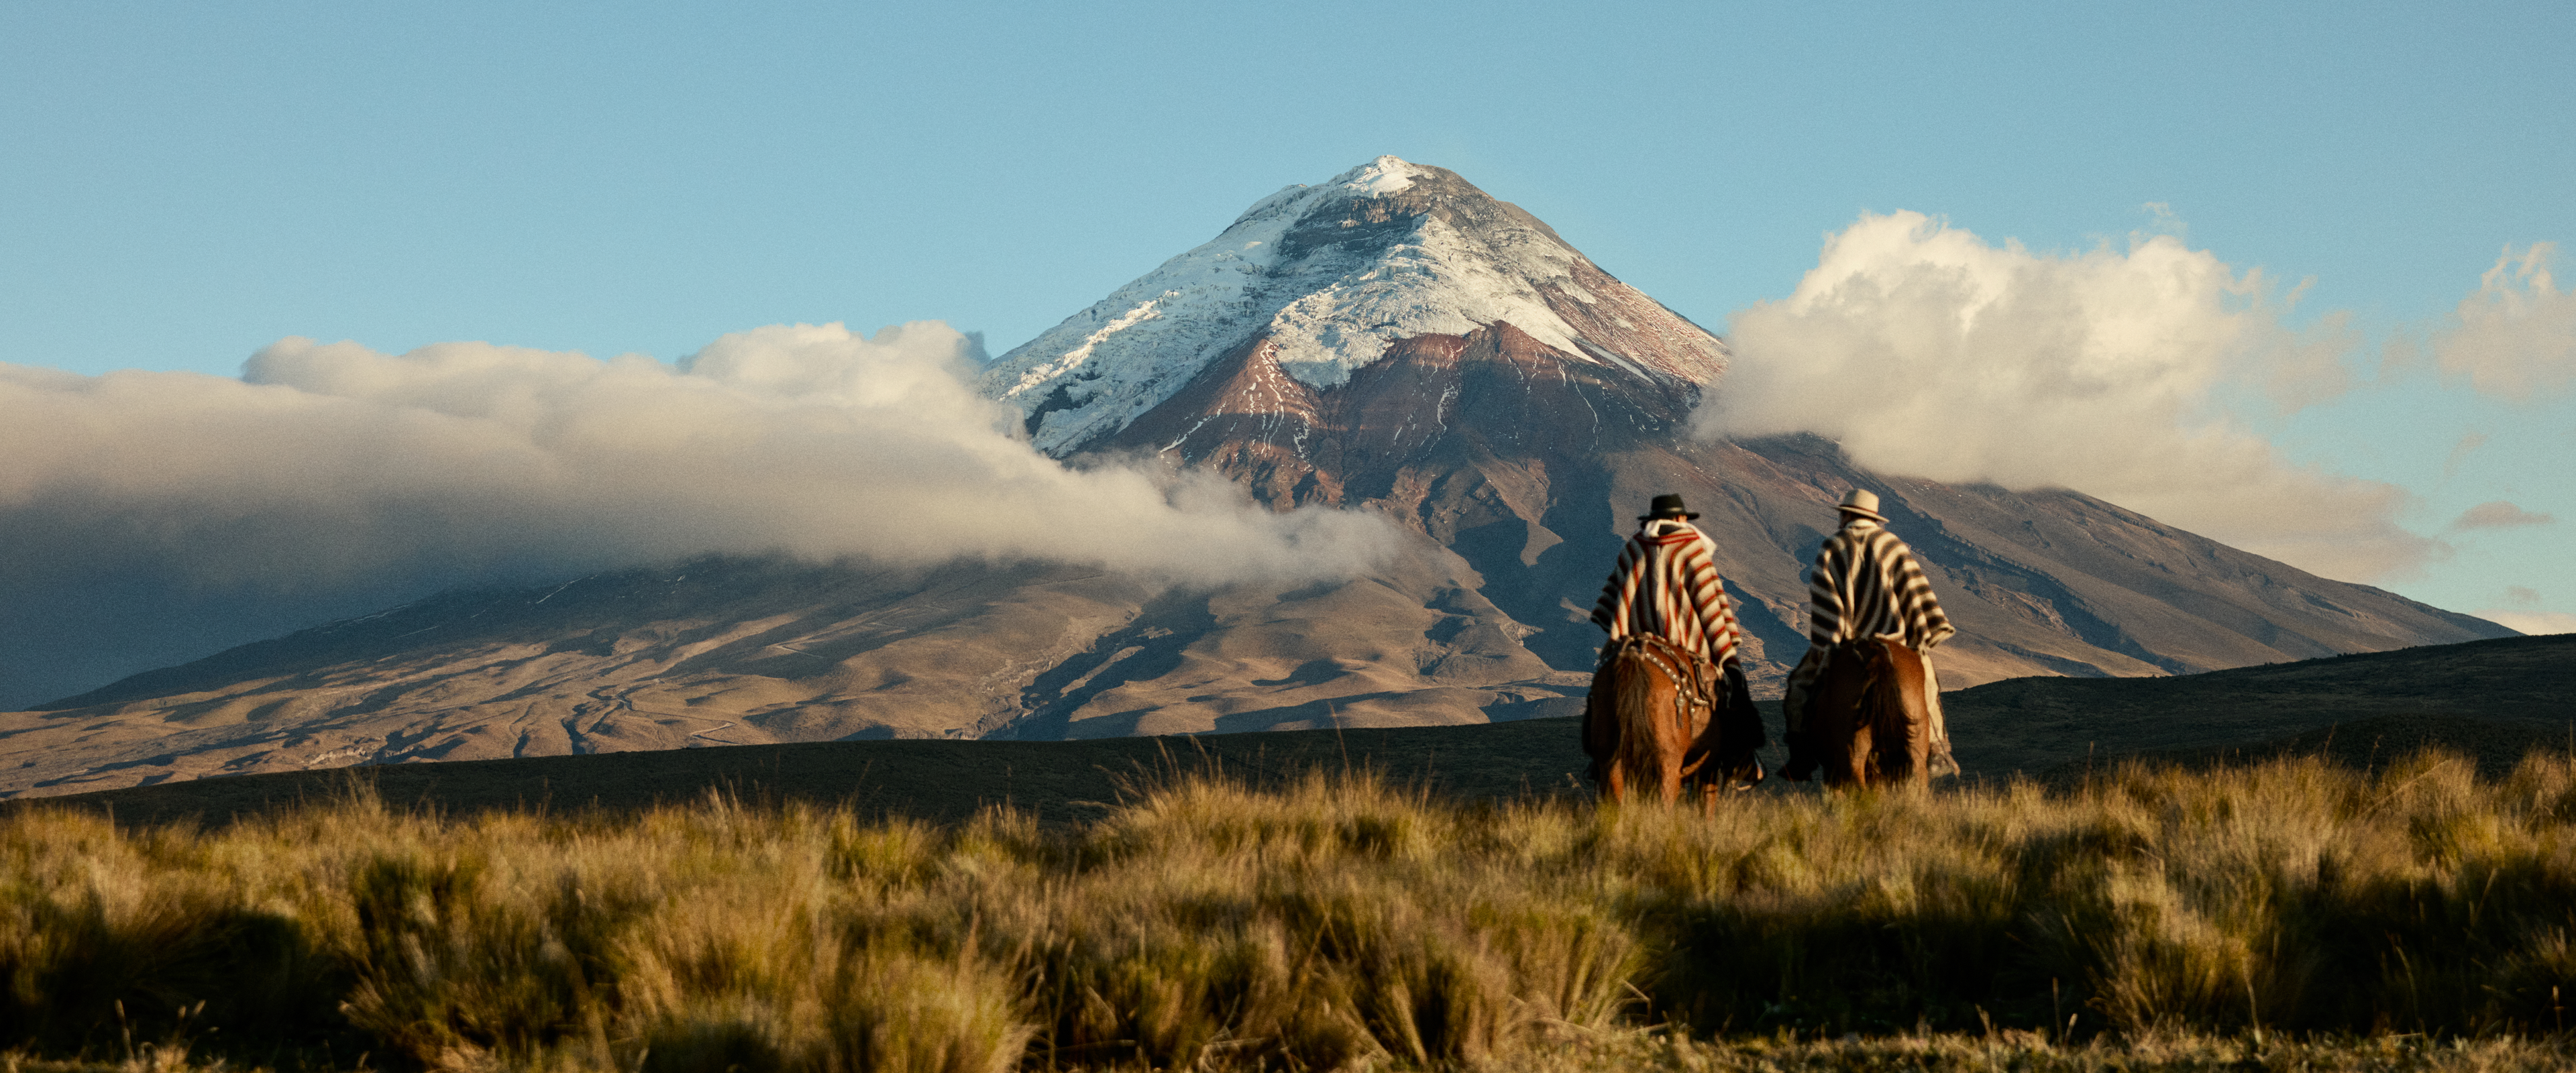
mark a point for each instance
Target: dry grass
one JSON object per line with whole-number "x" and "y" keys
{"x": 2030, "y": 1052}
{"x": 2290, "y": 916}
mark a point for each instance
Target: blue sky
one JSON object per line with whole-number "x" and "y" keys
{"x": 185, "y": 185}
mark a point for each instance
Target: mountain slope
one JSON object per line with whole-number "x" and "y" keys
{"x": 732, "y": 652}
{"x": 1540, "y": 402}
{"x": 1394, "y": 340}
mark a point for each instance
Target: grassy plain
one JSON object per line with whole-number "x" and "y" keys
{"x": 2290, "y": 915}
{"x": 2492, "y": 700}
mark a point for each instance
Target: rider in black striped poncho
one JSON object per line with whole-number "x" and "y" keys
{"x": 1867, "y": 584}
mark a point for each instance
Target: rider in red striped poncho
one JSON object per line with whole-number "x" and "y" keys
{"x": 1666, "y": 584}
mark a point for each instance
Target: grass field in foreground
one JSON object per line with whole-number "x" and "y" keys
{"x": 1665, "y": 1051}
{"x": 2294, "y": 915}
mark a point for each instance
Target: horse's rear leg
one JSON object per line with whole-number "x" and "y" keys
{"x": 1847, "y": 758}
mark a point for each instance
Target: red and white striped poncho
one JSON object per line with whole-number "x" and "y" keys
{"x": 1666, "y": 583}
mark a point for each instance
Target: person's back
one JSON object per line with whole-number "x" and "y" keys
{"x": 1666, "y": 584}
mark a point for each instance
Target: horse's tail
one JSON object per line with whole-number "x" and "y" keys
{"x": 1634, "y": 693}
{"x": 1887, "y": 710}
{"x": 1601, "y": 729}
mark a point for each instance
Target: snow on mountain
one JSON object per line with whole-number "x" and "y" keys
{"x": 1330, "y": 275}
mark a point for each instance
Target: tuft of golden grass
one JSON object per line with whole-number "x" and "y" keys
{"x": 2294, "y": 912}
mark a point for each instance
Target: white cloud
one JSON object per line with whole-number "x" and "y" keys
{"x": 2516, "y": 337}
{"x": 1926, "y": 350}
{"x": 327, "y": 463}
{"x": 2522, "y": 613}
{"x": 2531, "y": 622}
{"x": 2460, "y": 452}
{"x": 2498, "y": 514}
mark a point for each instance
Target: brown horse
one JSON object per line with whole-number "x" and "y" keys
{"x": 1869, "y": 726}
{"x": 1659, "y": 718}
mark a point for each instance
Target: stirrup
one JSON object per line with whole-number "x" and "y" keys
{"x": 1742, "y": 786}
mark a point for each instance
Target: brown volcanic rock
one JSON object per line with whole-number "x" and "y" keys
{"x": 1433, "y": 403}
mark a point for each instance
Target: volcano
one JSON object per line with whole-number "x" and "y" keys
{"x": 1392, "y": 340}
{"x": 1397, "y": 339}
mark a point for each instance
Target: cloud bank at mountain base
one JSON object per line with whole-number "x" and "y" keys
{"x": 325, "y": 462}
{"x": 329, "y": 468}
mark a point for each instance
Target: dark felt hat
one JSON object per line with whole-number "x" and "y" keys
{"x": 1666, "y": 506}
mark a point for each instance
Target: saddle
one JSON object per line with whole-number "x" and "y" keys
{"x": 1710, "y": 697}
{"x": 1698, "y": 677}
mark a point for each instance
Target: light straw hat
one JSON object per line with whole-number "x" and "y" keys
{"x": 1862, "y": 502}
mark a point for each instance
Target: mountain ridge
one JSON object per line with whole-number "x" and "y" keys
{"x": 1327, "y": 279}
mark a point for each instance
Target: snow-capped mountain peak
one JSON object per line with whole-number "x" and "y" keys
{"x": 1327, "y": 276}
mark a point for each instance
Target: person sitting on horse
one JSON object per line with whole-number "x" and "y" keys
{"x": 1866, "y": 584}
{"x": 1666, "y": 585}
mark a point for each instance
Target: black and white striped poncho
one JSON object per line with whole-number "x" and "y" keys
{"x": 1866, "y": 584}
